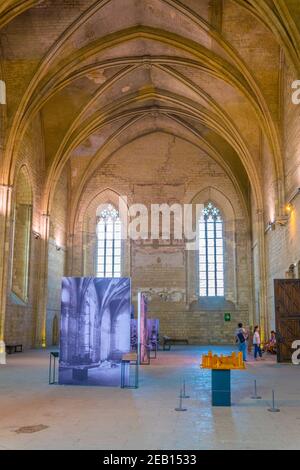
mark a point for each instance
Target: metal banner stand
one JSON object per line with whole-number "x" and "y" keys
{"x": 128, "y": 360}
{"x": 52, "y": 367}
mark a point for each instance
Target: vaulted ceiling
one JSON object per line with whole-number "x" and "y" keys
{"x": 100, "y": 73}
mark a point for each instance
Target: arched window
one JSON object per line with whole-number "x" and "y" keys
{"x": 211, "y": 255}
{"x": 109, "y": 243}
{"x": 22, "y": 236}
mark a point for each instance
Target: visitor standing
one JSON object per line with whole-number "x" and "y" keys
{"x": 241, "y": 339}
{"x": 256, "y": 343}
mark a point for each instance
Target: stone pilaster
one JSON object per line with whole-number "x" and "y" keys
{"x": 41, "y": 316}
{"x": 5, "y": 247}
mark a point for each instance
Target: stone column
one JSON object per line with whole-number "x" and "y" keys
{"x": 69, "y": 254}
{"x": 264, "y": 320}
{"x": 5, "y": 249}
{"x": 42, "y": 295}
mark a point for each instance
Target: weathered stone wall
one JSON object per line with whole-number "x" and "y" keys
{"x": 20, "y": 321}
{"x": 21, "y": 317}
{"x": 283, "y": 243}
{"x": 57, "y": 252}
{"x": 200, "y": 327}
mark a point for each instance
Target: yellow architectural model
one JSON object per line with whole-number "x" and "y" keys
{"x": 235, "y": 361}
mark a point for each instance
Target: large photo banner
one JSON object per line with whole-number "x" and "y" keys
{"x": 95, "y": 330}
{"x": 143, "y": 330}
{"x": 134, "y": 336}
{"x": 153, "y": 333}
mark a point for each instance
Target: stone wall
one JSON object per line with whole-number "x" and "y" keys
{"x": 21, "y": 316}
{"x": 57, "y": 253}
{"x": 199, "y": 327}
{"x": 20, "y": 321}
{"x": 283, "y": 243}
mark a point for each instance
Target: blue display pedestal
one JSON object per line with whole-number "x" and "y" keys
{"x": 221, "y": 387}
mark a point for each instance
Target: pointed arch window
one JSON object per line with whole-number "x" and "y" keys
{"x": 22, "y": 225}
{"x": 109, "y": 243}
{"x": 211, "y": 252}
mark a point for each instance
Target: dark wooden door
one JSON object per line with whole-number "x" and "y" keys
{"x": 287, "y": 314}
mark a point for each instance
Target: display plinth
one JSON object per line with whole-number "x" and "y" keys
{"x": 128, "y": 360}
{"x": 221, "y": 387}
{"x": 221, "y": 367}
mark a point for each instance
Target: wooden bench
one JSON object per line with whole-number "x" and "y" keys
{"x": 168, "y": 342}
{"x": 14, "y": 348}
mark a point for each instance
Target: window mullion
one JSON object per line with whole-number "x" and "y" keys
{"x": 113, "y": 249}
{"x": 198, "y": 266}
{"x": 215, "y": 256}
{"x": 97, "y": 249}
{"x": 105, "y": 249}
{"x": 206, "y": 256}
{"x": 211, "y": 247}
{"x": 223, "y": 264}
{"x": 108, "y": 228}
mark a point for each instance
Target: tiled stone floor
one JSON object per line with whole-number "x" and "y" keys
{"x": 111, "y": 418}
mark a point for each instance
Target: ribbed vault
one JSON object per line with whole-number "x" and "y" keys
{"x": 169, "y": 57}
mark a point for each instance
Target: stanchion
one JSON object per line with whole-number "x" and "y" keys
{"x": 255, "y": 396}
{"x": 180, "y": 407}
{"x": 184, "y": 395}
{"x": 273, "y": 409}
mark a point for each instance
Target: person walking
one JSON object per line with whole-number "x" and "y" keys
{"x": 256, "y": 343}
{"x": 241, "y": 339}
